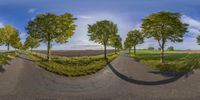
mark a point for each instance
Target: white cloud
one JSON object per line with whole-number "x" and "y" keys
{"x": 85, "y": 17}
{"x": 32, "y": 10}
{"x": 194, "y": 25}
{"x": 190, "y": 37}
{"x": 192, "y": 22}
{"x": 1, "y": 24}
{"x": 23, "y": 36}
{"x": 137, "y": 27}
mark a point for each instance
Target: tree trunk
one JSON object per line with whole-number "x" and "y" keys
{"x": 105, "y": 53}
{"x": 115, "y": 50}
{"x": 129, "y": 50}
{"x": 8, "y": 46}
{"x": 31, "y": 49}
{"x": 49, "y": 50}
{"x": 134, "y": 50}
{"x": 162, "y": 55}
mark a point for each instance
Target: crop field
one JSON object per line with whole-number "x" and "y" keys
{"x": 74, "y": 53}
{"x": 188, "y": 51}
{"x": 174, "y": 61}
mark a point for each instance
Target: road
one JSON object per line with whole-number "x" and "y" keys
{"x": 123, "y": 79}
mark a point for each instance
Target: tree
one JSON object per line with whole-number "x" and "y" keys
{"x": 9, "y": 34}
{"x": 16, "y": 43}
{"x": 31, "y": 43}
{"x": 101, "y": 32}
{"x": 127, "y": 44}
{"x": 151, "y": 48}
{"x": 171, "y": 48}
{"x": 50, "y": 28}
{"x": 163, "y": 27}
{"x": 134, "y": 38}
{"x": 116, "y": 42}
{"x": 198, "y": 39}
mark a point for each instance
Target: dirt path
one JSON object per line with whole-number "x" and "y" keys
{"x": 123, "y": 79}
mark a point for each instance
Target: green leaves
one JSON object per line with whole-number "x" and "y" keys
{"x": 133, "y": 38}
{"x": 31, "y": 43}
{"x": 10, "y": 36}
{"x": 170, "y": 48}
{"x": 198, "y": 39}
{"x": 15, "y": 41}
{"x": 115, "y": 41}
{"x": 102, "y": 31}
{"x": 52, "y": 27}
{"x": 164, "y": 26}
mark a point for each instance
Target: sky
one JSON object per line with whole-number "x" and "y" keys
{"x": 127, "y": 14}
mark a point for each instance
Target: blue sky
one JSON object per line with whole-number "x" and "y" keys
{"x": 126, "y": 13}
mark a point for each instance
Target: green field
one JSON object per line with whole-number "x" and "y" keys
{"x": 6, "y": 57}
{"x": 174, "y": 61}
{"x": 72, "y": 66}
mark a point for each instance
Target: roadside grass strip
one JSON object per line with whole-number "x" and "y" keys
{"x": 174, "y": 61}
{"x": 72, "y": 66}
{"x": 5, "y": 57}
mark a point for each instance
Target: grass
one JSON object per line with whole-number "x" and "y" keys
{"x": 72, "y": 66}
{"x": 174, "y": 61}
{"x": 5, "y": 57}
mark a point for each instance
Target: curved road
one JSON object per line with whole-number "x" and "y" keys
{"x": 123, "y": 79}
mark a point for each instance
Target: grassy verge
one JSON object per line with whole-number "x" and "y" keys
{"x": 174, "y": 61}
{"x": 5, "y": 57}
{"x": 72, "y": 66}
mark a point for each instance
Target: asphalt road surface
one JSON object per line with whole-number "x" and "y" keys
{"x": 123, "y": 79}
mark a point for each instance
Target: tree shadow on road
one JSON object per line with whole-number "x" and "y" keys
{"x": 172, "y": 78}
{"x": 2, "y": 69}
{"x": 7, "y": 62}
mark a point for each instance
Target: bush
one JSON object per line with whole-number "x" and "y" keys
{"x": 151, "y": 48}
{"x": 171, "y": 48}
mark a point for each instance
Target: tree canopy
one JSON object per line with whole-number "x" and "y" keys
{"x": 151, "y": 48}
{"x": 170, "y": 48}
{"x": 101, "y": 32}
{"x": 163, "y": 27}
{"x": 16, "y": 43}
{"x": 133, "y": 38}
{"x": 9, "y": 36}
{"x": 116, "y": 42}
{"x": 127, "y": 44}
{"x": 50, "y": 28}
{"x": 198, "y": 39}
{"x": 31, "y": 43}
